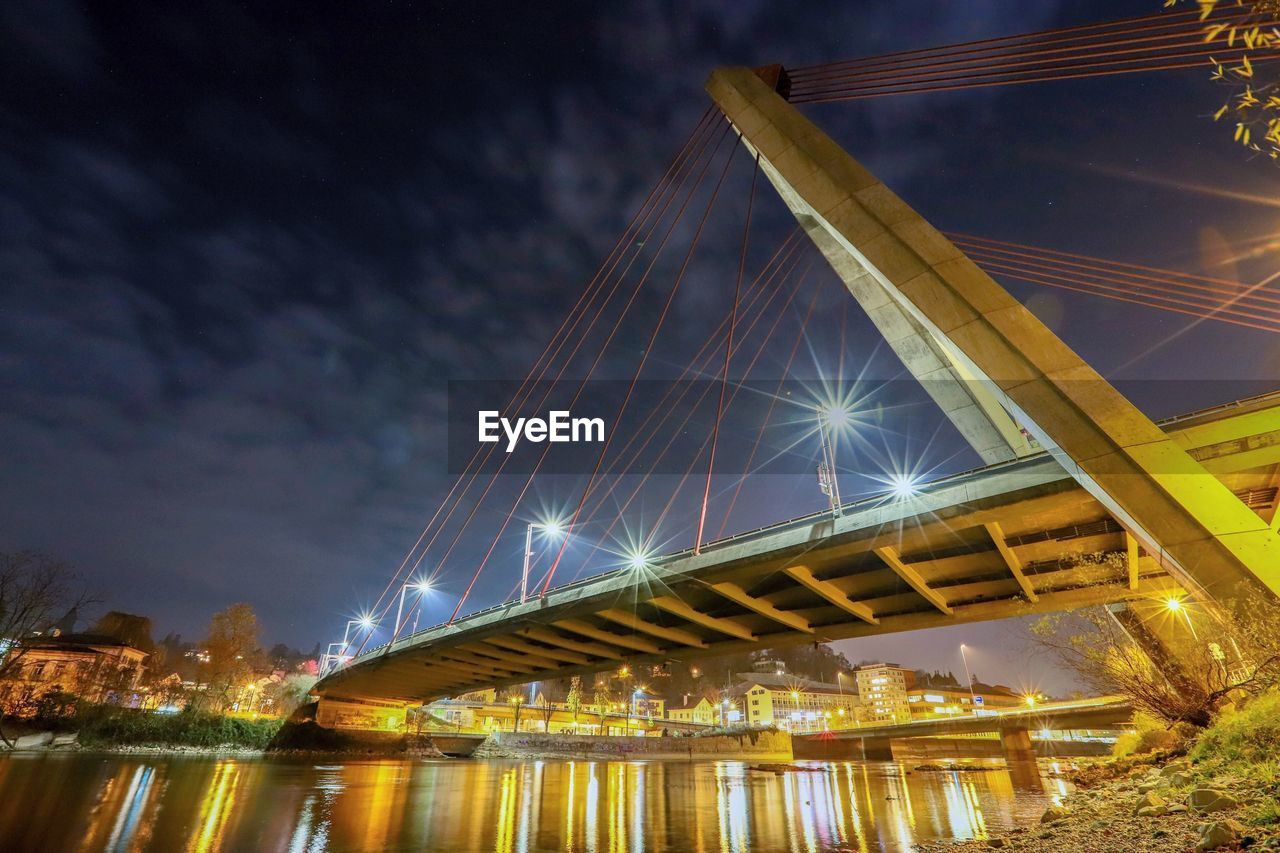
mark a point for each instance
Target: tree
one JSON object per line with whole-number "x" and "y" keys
{"x": 127, "y": 628}
{"x": 1252, "y": 105}
{"x": 573, "y": 702}
{"x": 1235, "y": 652}
{"x": 232, "y": 647}
{"x": 35, "y": 589}
{"x": 602, "y": 700}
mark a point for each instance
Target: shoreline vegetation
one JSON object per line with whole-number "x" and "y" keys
{"x": 1216, "y": 790}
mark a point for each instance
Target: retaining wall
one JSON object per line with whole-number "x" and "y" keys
{"x": 774, "y": 746}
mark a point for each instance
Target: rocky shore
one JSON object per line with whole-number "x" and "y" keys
{"x": 1144, "y": 805}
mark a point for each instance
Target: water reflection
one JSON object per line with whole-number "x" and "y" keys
{"x": 132, "y": 803}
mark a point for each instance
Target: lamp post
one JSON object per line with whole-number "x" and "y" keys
{"x": 423, "y": 587}
{"x": 550, "y": 528}
{"x": 973, "y": 703}
{"x": 517, "y": 700}
{"x": 828, "y": 482}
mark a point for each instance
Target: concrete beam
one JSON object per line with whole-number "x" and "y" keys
{"x": 1131, "y": 558}
{"x": 586, "y": 629}
{"x": 634, "y": 622}
{"x": 762, "y": 606}
{"x": 913, "y": 578}
{"x": 676, "y": 607}
{"x": 1188, "y": 520}
{"x": 996, "y": 532}
{"x": 543, "y": 635}
{"x": 530, "y": 649}
{"x": 826, "y": 590}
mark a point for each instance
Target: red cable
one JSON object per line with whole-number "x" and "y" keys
{"x": 697, "y": 234}
{"x": 728, "y": 353}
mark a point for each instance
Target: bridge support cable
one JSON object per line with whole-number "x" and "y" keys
{"x": 1125, "y": 46}
{"x": 728, "y": 355}
{"x": 1254, "y": 306}
{"x": 606, "y": 283}
{"x": 679, "y": 279}
{"x": 643, "y": 279}
{"x": 673, "y": 434}
{"x": 571, "y": 320}
{"x": 758, "y": 296}
{"x": 768, "y": 415}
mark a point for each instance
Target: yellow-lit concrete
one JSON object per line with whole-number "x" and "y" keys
{"x": 1189, "y": 520}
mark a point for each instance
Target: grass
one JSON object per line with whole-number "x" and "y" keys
{"x": 1249, "y": 735}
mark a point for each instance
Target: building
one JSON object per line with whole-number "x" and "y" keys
{"x": 883, "y": 689}
{"x": 702, "y": 712}
{"x": 90, "y": 667}
{"x": 933, "y": 697}
{"x": 790, "y": 702}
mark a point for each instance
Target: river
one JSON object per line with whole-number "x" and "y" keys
{"x": 92, "y": 802}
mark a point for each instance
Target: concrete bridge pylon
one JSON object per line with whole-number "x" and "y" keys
{"x": 994, "y": 367}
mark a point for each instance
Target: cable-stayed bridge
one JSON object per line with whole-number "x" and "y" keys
{"x": 1084, "y": 501}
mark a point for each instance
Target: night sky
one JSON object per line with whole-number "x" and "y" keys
{"x": 243, "y": 245}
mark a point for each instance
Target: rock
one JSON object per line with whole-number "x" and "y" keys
{"x": 1218, "y": 833}
{"x": 995, "y": 842}
{"x": 1054, "y": 813}
{"x": 1175, "y": 808}
{"x": 1149, "y": 800}
{"x": 1151, "y": 811}
{"x": 1180, "y": 779}
{"x": 1148, "y": 786}
{"x": 35, "y": 741}
{"x": 1181, "y": 766}
{"x": 1211, "y": 800}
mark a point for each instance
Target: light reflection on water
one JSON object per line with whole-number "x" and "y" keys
{"x": 127, "y": 803}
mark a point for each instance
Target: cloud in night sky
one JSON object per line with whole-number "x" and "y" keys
{"x": 242, "y": 247}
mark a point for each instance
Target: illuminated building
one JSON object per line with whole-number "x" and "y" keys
{"x": 883, "y": 689}
{"x": 701, "y": 711}
{"x": 90, "y": 667}
{"x": 792, "y": 703}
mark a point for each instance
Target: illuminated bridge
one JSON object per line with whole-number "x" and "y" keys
{"x": 990, "y": 544}
{"x": 1085, "y": 500}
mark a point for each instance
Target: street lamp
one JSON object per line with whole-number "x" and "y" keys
{"x": 517, "y": 700}
{"x": 423, "y": 587}
{"x": 830, "y": 417}
{"x": 550, "y": 529}
{"x": 973, "y": 701}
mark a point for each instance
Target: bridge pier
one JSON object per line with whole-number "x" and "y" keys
{"x": 877, "y": 749}
{"x": 1016, "y": 744}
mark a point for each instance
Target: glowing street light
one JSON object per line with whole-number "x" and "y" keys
{"x": 422, "y": 587}
{"x": 830, "y": 418}
{"x": 904, "y": 486}
{"x": 550, "y": 529}
{"x": 638, "y": 560}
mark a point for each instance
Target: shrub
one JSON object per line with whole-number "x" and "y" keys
{"x": 1148, "y": 735}
{"x": 101, "y": 726}
{"x": 1250, "y": 734}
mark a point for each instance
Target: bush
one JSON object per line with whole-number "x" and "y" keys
{"x": 1248, "y": 735}
{"x": 102, "y": 726}
{"x": 1149, "y": 734}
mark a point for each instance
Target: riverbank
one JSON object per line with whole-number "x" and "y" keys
{"x": 1221, "y": 793}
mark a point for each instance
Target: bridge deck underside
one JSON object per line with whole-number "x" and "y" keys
{"x": 1014, "y": 539}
